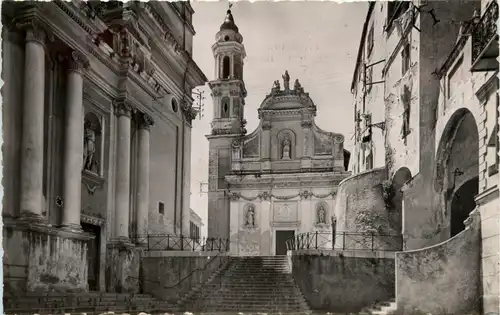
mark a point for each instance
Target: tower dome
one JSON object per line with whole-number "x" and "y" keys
{"x": 228, "y": 31}
{"x": 229, "y": 23}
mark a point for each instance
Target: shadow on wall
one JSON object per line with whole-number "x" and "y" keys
{"x": 343, "y": 284}
{"x": 442, "y": 279}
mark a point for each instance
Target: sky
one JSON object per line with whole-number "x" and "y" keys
{"x": 317, "y": 42}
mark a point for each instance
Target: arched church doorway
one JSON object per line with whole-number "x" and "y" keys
{"x": 457, "y": 169}
{"x": 398, "y": 180}
{"x": 462, "y": 203}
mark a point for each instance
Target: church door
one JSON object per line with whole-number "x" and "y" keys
{"x": 281, "y": 238}
{"x": 93, "y": 256}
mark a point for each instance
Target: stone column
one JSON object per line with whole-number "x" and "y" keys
{"x": 73, "y": 145}
{"x": 145, "y": 122}
{"x": 122, "y": 192}
{"x": 31, "y": 195}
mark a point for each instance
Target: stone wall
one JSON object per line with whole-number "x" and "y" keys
{"x": 442, "y": 279}
{"x": 360, "y": 206}
{"x": 43, "y": 259}
{"x": 343, "y": 281}
{"x": 170, "y": 275}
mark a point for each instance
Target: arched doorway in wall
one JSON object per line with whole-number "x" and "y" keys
{"x": 462, "y": 203}
{"x": 398, "y": 180}
{"x": 457, "y": 170}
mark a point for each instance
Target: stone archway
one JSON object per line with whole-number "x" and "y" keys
{"x": 401, "y": 176}
{"x": 457, "y": 169}
{"x": 462, "y": 203}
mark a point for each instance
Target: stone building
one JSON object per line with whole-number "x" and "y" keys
{"x": 277, "y": 181}
{"x": 426, "y": 123}
{"x": 97, "y": 126}
{"x": 195, "y": 225}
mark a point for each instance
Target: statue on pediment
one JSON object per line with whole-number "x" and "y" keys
{"x": 286, "y": 81}
{"x": 286, "y": 149}
{"x": 297, "y": 86}
{"x": 276, "y": 86}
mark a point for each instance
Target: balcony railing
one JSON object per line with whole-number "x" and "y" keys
{"x": 168, "y": 242}
{"x": 485, "y": 40}
{"x": 345, "y": 241}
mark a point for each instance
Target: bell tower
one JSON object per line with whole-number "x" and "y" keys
{"x": 228, "y": 87}
{"x": 228, "y": 123}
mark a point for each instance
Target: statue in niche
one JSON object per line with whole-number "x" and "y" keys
{"x": 286, "y": 80}
{"x": 89, "y": 147}
{"x": 286, "y": 149}
{"x": 250, "y": 217}
{"x": 321, "y": 214}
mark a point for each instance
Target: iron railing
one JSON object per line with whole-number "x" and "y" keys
{"x": 345, "y": 241}
{"x": 168, "y": 242}
{"x": 485, "y": 31}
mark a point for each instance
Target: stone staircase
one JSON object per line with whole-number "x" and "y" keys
{"x": 249, "y": 284}
{"x": 85, "y": 302}
{"x": 381, "y": 308}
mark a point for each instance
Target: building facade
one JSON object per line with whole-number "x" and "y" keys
{"x": 279, "y": 180}
{"x": 97, "y": 140}
{"x": 195, "y": 225}
{"x": 425, "y": 92}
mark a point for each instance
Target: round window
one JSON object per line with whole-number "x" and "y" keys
{"x": 226, "y": 38}
{"x": 174, "y": 105}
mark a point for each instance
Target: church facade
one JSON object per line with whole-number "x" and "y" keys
{"x": 281, "y": 179}
{"x": 96, "y": 147}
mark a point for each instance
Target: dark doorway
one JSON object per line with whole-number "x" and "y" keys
{"x": 462, "y": 204}
{"x": 281, "y": 238}
{"x": 93, "y": 255}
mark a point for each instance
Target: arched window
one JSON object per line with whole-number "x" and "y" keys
{"x": 225, "y": 107}
{"x": 226, "y": 67}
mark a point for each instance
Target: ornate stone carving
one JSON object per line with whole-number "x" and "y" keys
{"x": 234, "y": 196}
{"x": 286, "y": 149}
{"x": 145, "y": 121}
{"x": 306, "y": 123}
{"x": 338, "y": 139}
{"x": 77, "y": 62}
{"x": 305, "y": 194}
{"x": 36, "y": 31}
{"x": 122, "y": 108}
{"x": 266, "y": 125}
{"x": 265, "y": 196}
{"x": 216, "y": 93}
{"x": 236, "y": 144}
{"x": 283, "y": 213}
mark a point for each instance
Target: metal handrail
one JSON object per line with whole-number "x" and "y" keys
{"x": 170, "y": 242}
{"x": 345, "y": 241}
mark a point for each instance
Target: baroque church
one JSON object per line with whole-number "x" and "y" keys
{"x": 281, "y": 179}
